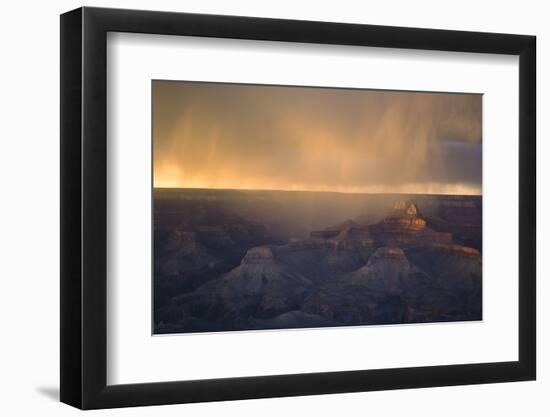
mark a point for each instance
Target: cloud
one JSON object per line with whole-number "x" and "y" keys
{"x": 271, "y": 137}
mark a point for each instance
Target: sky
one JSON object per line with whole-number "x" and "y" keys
{"x": 239, "y": 136}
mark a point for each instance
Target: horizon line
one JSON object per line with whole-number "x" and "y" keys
{"x": 312, "y": 191}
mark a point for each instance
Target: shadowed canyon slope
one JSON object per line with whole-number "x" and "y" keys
{"x": 241, "y": 260}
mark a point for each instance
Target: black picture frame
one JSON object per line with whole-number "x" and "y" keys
{"x": 84, "y": 207}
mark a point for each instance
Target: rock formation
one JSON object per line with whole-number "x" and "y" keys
{"x": 404, "y": 268}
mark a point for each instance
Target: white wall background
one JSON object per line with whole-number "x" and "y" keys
{"x": 29, "y": 237}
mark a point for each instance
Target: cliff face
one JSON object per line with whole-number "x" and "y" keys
{"x": 396, "y": 270}
{"x": 462, "y": 218}
{"x": 403, "y": 227}
{"x": 198, "y": 246}
{"x": 386, "y": 270}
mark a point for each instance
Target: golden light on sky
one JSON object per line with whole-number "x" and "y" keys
{"x": 212, "y": 135}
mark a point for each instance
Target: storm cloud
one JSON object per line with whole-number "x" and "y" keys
{"x": 213, "y": 135}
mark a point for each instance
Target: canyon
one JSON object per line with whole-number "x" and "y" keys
{"x": 228, "y": 260}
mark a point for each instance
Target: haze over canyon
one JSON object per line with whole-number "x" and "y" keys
{"x": 247, "y": 260}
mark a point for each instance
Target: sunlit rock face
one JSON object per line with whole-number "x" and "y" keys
{"x": 403, "y": 226}
{"x": 404, "y": 209}
{"x": 405, "y": 215}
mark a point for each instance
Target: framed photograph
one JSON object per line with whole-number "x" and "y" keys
{"x": 257, "y": 208}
